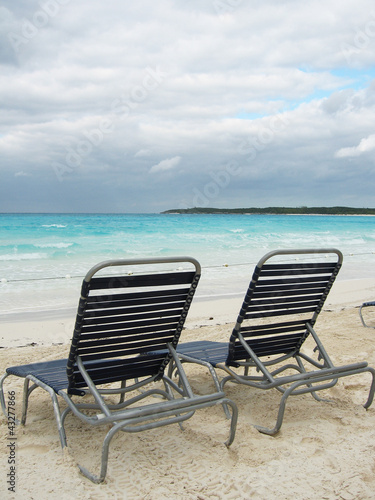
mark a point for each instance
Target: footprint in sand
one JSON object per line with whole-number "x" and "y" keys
{"x": 33, "y": 448}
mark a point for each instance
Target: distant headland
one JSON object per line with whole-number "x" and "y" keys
{"x": 275, "y": 211}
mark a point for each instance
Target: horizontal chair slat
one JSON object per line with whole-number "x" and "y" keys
{"x": 268, "y": 346}
{"x": 284, "y": 304}
{"x": 108, "y": 353}
{"x": 285, "y": 300}
{"x": 261, "y": 351}
{"x": 297, "y": 322}
{"x": 267, "y": 314}
{"x": 149, "y": 280}
{"x": 99, "y": 365}
{"x": 125, "y": 372}
{"x": 273, "y": 341}
{"x": 130, "y": 321}
{"x": 126, "y": 348}
{"x": 96, "y": 315}
{"x": 151, "y": 328}
{"x": 133, "y": 299}
{"x": 293, "y": 281}
{"x": 275, "y": 350}
{"x": 250, "y": 332}
{"x": 306, "y": 289}
{"x": 126, "y": 339}
{"x": 297, "y": 265}
{"x": 123, "y": 375}
{"x": 296, "y": 272}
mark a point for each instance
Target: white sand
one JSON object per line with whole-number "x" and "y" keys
{"x": 323, "y": 451}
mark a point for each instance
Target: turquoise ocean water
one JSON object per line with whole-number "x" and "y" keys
{"x": 43, "y": 257}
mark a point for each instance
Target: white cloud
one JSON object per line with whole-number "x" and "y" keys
{"x": 366, "y": 144}
{"x": 142, "y": 152}
{"x": 22, "y": 174}
{"x": 167, "y": 164}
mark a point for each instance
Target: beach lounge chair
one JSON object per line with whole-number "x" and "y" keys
{"x": 366, "y": 304}
{"x": 120, "y": 318}
{"x": 266, "y": 348}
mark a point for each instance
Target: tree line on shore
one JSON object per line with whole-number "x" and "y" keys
{"x": 276, "y": 211}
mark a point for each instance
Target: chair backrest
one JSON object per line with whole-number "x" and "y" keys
{"x": 287, "y": 290}
{"x": 122, "y": 316}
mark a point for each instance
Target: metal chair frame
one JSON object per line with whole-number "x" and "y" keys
{"x": 278, "y": 314}
{"x": 119, "y": 320}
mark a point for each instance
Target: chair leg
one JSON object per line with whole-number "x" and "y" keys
{"x": 55, "y": 404}
{"x": 234, "y": 418}
{"x": 372, "y": 389}
{"x": 170, "y": 395}
{"x": 104, "y": 464}
{"x": 119, "y": 426}
{"x": 25, "y": 399}
{"x": 122, "y": 395}
{"x": 2, "y": 400}
{"x": 313, "y": 393}
{"x": 104, "y": 459}
{"x": 221, "y": 388}
{"x": 60, "y": 426}
{"x": 361, "y": 316}
{"x": 170, "y": 369}
{"x": 280, "y": 416}
{"x": 25, "y": 396}
{"x": 294, "y": 386}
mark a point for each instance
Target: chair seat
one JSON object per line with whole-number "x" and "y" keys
{"x": 51, "y": 373}
{"x": 204, "y": 350}
{"x": 211, "y": 352}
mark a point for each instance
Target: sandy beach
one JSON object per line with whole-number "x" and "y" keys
{"x": 323, "y": 451}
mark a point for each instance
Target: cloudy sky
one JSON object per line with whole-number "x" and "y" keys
{"x": 142, "y": 106}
